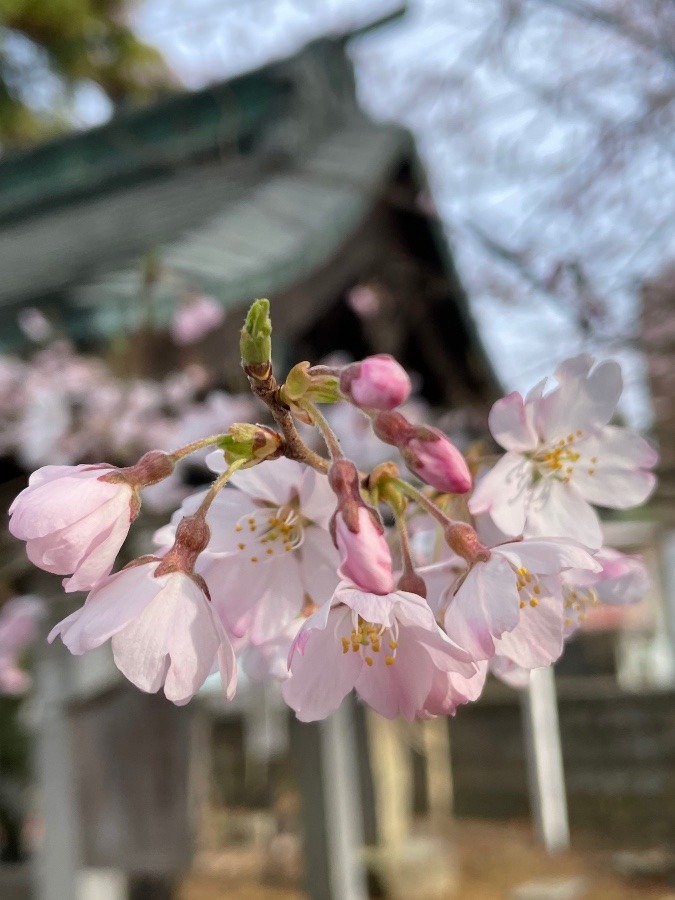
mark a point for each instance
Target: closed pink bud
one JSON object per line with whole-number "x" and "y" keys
{"x": 364, "y": 555}
{"x": 74, "y": 519}
{"x": 436, "y": 461}
{"x": 377, "y": 382}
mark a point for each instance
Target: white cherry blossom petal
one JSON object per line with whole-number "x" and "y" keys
{"x": 484, "y": 607}
{"x": 511, "y": 423}
{"x": 503, "y": 493}
{"x": 558, "y": 510}
{"x": 537, "y": 639}
{"x": 107, "y": 610}
{"x": 276, "y": 481}
{"x": 322, "y": 675}
{"x": 548, "y": 556}
{"x": 585, "y": 398}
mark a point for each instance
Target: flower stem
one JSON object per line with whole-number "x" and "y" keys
{"x": 265, "y": 387}
{"x": 321, "y": 423}
{"x": 182, "y": 452}
{"x": 410, "y": 580}
{"x": 461, "y": 537}
{"x": 217, "y": 486}
{"x": 404, "y": 542}
{"x": 423, "y": 501}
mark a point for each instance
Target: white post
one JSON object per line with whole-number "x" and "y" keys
{"x": 57, "y": 856}
{"x": 102, "y": 884}
{"x": 342, "y": 813}
{"x": 544, "y": 759}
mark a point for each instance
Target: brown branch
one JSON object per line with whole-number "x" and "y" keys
{"x": 264, "y": 386}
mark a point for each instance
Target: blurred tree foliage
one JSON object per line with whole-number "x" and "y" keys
{"x": 52, "y": 49}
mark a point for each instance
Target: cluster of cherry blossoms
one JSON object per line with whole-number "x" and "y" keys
{"x": 62, "y": 407}
{"x": 297, "y": 566}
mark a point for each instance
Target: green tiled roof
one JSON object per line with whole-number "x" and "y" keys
{"x": 265, "y": 234}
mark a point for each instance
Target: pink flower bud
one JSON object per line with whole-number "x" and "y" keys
{"x": 364, "y": 555}
{"x": 74, "y": 520}
{"x": 436, "y": 461}
{"x": 393, "y": 428}
{"x": 377, "y": 382}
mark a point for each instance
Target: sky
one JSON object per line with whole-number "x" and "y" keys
{"x": 538, "y": 132}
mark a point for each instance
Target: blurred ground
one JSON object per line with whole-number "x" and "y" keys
{"x": 498, "y": 861}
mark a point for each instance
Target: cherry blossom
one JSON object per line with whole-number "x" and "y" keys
{"x": 450, "y": 690}
{"x": 164, "y": 632}
{"x": 388, "y": 648}
{"x": 270, "y": 552}
{"x": 621, "y": 579}
{"x": 286, "y": 560}
{"x": 195, "y": 318}
{"x": 74, "y": 521}
{"x": 18, "y": 629}
{"x": 269, "y": 659}
{"x": 509, "y": 603}
{"x": 562, "y": 456}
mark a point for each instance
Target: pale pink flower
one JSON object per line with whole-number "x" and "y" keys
{"x": 364, "y": 554}
{"x": 510, "y": 604}
{"x": 269, "y": 659}
{"x": 562, "y": 456}
{"x": 451, "y": 690}
{"x": 388, "y": 648}
{"x": 195, "y": 318}
{"x": 270, "y": 552}
{"x": 622, "y": 579}
{"x": 377, "y": 382}
{"x": 164, "y": 632}
{"x": 365, "y": 301}
{"x": 18, "y": 629}
{"x": 74, "y": 521}
{"x": 34, "y": 324}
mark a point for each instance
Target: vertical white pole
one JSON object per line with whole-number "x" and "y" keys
{"x": 57, "y": 857}
{"x": 342, "y": 814}
{"x": 544, "y": 758}
{"x": 667, "y": 561}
